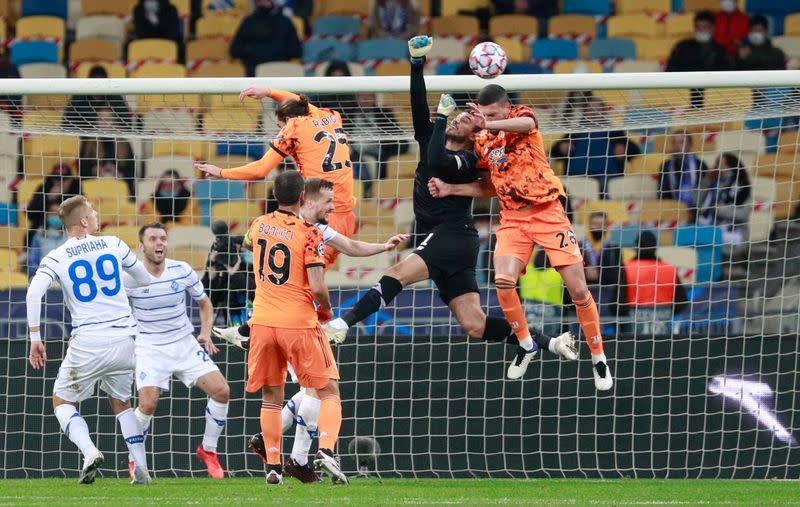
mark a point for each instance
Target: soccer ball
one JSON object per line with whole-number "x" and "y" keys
{"x": 487, "y": 60}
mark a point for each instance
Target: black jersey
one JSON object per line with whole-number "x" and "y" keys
{"x": 460, "y": 167}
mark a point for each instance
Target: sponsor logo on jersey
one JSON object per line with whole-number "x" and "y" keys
{"x": 498, "y": 156}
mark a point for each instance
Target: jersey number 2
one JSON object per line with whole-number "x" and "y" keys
{"x": 88, "y": 277}
{"x": 279, "y": 272}
{"x": 341, "y": 138}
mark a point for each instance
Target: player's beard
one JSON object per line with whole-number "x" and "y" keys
{"x": 453, "y": 138}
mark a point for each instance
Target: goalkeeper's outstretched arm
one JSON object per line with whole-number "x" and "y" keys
{"x": 418, "y": 47}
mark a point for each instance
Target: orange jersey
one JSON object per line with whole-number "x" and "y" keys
{"x": 518, "y": 165}
{"x": 318, "y": 144}
{"x": 284, "y": 245}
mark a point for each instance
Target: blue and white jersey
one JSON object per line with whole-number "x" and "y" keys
{"x": 328, "y": 232}
{"x": 160, "y": 308}
{"x": 89, "y": 270}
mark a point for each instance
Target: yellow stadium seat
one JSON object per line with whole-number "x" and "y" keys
{"x": 217, "y": 26}
{"x": 634, "y": 6}
{"x": 581, "y": 187}
{"x": 190, "y": 236}
{"x": 513, "y": 24}
{"x": 515, "y": 50}
{"x": 129, "y": 234}
{"x": 700, "y": 5}
{"x": 789, "y": 141}
{"x": 230, "y": 121}
{"x": 402, "y": 166}
{"x": 27, "y": 188}
{"x": 393, "y": 189}
{"x": 331, "y": 7}
{"x": 13, "y": 280}
{"x": 118, "y": 8}
{"x": 634, "y": 25}
{"x": 219, "y": 69}
{"x": 3, "y": 29}
{"x": 159, "y": 70}
{"x": 665, "y": 98}
{"x": 118, "y": 211}
{"x": 728, "y": 99}
{"x": 12, "y": 238}
{"x": 40, "y": 27}
{"x": 114, "y": 70}
{"x": 215, "y": 49}
{"x": 791, "y": 24}
{"x": 39, "y": 118}
{"x": 653, "y": 49}
{"x": 152, "y": 49}
{"x": 572, "y": 24}
{"x": 259, "y": 190}
{"x": 568, "y": 66}
{"x": 188, "y": 102}
{"x": 9, "y": 260}
{"x": 455, "y": 25}
{"x": 291, "y": 69}
{"x": 193, "y": 256}
{"x": 94, "y": 50}
{"x": 104, "y": 189}
{"x": 231, "y": 102}
{"x": 184, "y": 7}
{"x": 616, "y": 211}
{"x": 645, "y": 164}
{"x": 779, "y": 165}
{"x": 663, "y": 212}
{"x": 237, "y": 214}
{"x": 633, "y": 187}
{"x": 637, "y": 66}
{"x": 393, "y": 68}
{"x": 197, "y": 150}
{"x": 613, "y": 98}
{"x": 36, "y": 145}
{"x": 679, "y": 26}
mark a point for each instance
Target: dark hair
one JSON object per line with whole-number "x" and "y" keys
{"x": 288, "y": 187}
{"x": 759, "y": 20}
{"x": 647, "y": 246}
{"x": 598, "y": 214}
{"x": 731, "y": 160}
{"x": 98, "y": 71}
{"x": 290, "y": 108}
{"x": 314, "y": 186}
{"x": 151, "y": 225}
{"x": 338, "y": 65}
{"x": 705, "y": 15}
{"x": 492, "y": 94}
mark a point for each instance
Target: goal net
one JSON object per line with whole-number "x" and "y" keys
{"x": 697, "y": 170}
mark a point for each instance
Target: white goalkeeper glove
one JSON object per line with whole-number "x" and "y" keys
{"x": 446, "y": 105}
{"x": 419, "y": 46}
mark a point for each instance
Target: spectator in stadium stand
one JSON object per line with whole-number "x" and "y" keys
{"x": 45, "y": 238}
{"x": 370, "y": 118}
{"x": 603, "y": 267}
{"x": 393, "y": 18}
{"x": 107, "y": 157}
{"x": 730, "y": 26}
{"x": 266, "y": 35}
{"x": 157, "y": 19}
{"x": 171, "y": 196}
{"x": 542, "y": 9}
{"x": 12, "y": 104}
{"x": 81, "y": 112}
{"x": 59, "y": 185}
{"x": 599, "y": 154}
{"x": 653, "y": 283}
{"x": 756, "y": 51}
{"x": 682, "y": 173}
{"x": 301, "y": 8}
{"x": 724, "y": 199}
{"x": 338, "y": 101}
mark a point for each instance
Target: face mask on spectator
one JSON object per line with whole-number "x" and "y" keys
{"x": 247, "y": 256}
{"x": 702, "y": 37}
{"x": 727, "y": 5}
{"x": 164, "y": 193}
{"x": 757, "y": 38}
{"x": 54, "y": 223}
{"x": 483, "y": 233}
{"x": 151, "y": 5}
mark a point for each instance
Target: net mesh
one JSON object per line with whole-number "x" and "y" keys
{"x": 704, "y": 388}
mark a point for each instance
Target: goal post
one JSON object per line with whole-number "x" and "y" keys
{"x": 706, "y": 386}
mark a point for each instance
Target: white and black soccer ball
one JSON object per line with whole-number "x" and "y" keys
{"x": 487, "y": 60}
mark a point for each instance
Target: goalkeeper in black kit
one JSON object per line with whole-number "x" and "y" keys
{"x": 444, "y": 238}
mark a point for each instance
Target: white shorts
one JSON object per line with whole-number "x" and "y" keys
{"x": 89, "y": 361}
{"x": 185, "y": 358}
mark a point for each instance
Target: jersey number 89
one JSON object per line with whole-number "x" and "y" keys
{"x": 87, "y": 278}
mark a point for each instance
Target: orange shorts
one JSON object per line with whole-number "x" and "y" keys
{"x": 271, "y": 348}
{"x": 343, "y": 223}
{"x": 545, "y": 225}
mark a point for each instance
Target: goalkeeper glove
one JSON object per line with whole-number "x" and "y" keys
{"x": 446, "y": 105}
{"x": 419, "y": 46}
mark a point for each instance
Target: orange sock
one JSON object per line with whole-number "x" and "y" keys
{"x": 330, "y": 421}
{"x": 590, "y": 323}
{"x": 271, "y": 429}
{"x": 512, "y": 307}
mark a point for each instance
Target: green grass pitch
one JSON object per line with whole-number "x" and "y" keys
{"x": 169, "y": 492}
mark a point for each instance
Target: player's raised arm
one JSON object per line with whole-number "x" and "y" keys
{"x": 252, "y": 171}
{"x": 356, "y": 248}
{"x": 139, "y": 276}
{"x": 418, "y": 47}
{"x": 522, "y": 124}
{"x": 479, "y": 188}
{"x": 33, "y": 302}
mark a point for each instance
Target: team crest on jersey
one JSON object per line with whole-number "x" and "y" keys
{"x": 321, "y": 250}
{"x": 497, "y": 156}
{"x": 174, "y": 286}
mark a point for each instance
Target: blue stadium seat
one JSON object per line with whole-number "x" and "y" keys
{"x": 57, "y": 8}
{"x": 775, "y": 10}
{"x": 382, "y": 49}
{"x": 316, "y": 50}
{"x": 252, "y": 149}
{"x": 627, "y": 236}
{"x": 591, "y": 7}
{"x": 707, "y": 240}
{"x": 448, "y": 68}
{"x": 524, "y": 68}
{"x": 602, "y": 49}
{"x": 336, "y": 25}
{"x": 555, "y": 49}
{"x": 209, "y": 192}
{"x": 34, "y": 51}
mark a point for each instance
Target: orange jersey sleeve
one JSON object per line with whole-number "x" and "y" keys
{"x": 518, "y": 165}
{"x": 319, "y": 146}
{"x": 284, "y": 245}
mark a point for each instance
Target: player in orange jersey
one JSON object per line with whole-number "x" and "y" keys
{"x": 531, "y": 212}
{"x": 285, "y": 326}
{"x": 315, "y": 138}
